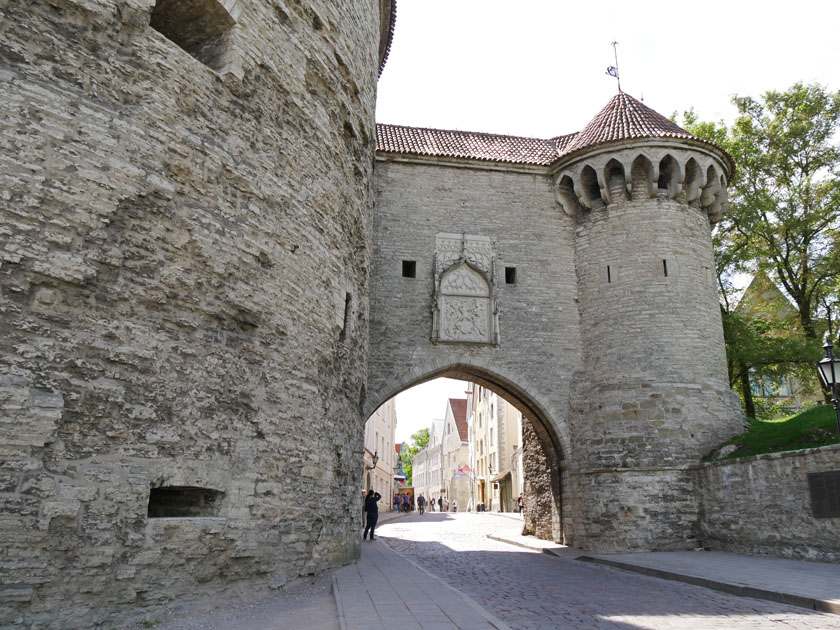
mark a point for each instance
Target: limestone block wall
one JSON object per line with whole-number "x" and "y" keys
{"x": 761, "y": 505}
{"x": 539, "y": 337}
{"x": 656, "y": 391}
{"x": 183, "y": 301}
{"x": 653, "y": 395}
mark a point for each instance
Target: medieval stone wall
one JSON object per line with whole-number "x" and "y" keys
{"x": 762, "y": 505}
{"x": 183, "y": 300}
{"x": 611, "y": 333}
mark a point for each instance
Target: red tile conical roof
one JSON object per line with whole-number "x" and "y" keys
{"x": 625, "y": 118}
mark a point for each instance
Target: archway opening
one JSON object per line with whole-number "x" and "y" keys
{"x": 470, "y": 441}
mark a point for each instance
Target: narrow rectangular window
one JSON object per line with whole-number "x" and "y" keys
{"x": 409, "y": 268}
{"x": 609, "y": 275}
{"x": 343, "y": 335}
{"x": 665, "y": 267}
{"x": 510, "y": 275}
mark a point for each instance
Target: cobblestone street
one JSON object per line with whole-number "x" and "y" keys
{"x": 531, "y": 590}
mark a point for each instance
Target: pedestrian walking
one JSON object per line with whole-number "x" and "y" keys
{"x": 521, "y": 503}
{"x": 421, "y": 504}
{"x": 395, "y": 506}
{"x": 440, "y": 504}
{"x": 454, "y": 505}
{"x": 431, "y": 505}
{"x": 372, "y": 511}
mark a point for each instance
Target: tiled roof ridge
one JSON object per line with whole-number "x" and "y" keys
{"x": 622, "y": 118}
{"x": 465, "y": 144}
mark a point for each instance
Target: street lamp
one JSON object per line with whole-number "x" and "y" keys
{"x": 375, "y": 460}
{"x": 829, "y": 369}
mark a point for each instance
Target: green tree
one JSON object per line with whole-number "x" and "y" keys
{"x": 761, "y": 346}
{"x": 785, "y": 194}
{"x": 419, "y": 439}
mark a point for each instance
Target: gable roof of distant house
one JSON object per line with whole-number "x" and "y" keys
{"x": 459, "y": 412}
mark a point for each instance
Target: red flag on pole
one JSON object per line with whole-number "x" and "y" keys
{"x": 464, "y": 468}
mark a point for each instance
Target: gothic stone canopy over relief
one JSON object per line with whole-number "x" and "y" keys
{"x": 464, "y": 306}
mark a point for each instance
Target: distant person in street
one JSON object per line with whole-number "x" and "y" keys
{"x": 372, "y": 511}
{"x": 421, "y": 503}
{"x": 521, "y": 503}
{"x": 404, "y": 503}
{"x": 454, "y": 505}
{"x": 431, "y": 505}
{"x": 440, "y": 504}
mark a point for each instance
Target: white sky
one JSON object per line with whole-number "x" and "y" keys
{"x": 538, "y": 68}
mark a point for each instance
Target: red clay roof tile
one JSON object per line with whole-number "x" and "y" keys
{"x": 623, "y": 118}
{"x": 459, "y": 411}
{"x": 465, "y": 144}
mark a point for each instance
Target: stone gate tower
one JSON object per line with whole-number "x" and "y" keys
{"x": 586, "y": 266}
{"x": 653, "y": 392}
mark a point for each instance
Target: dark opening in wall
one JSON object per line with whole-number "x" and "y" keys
{"x": 200, "y": 27}
{"x": 347, "y": 300}
{"x": 183, "y": 501}
{"x": 609, "y": 274}
{"x": 409, "y": 268}
{"x": 510, "y": 275}
{"x": 665, "y": 267}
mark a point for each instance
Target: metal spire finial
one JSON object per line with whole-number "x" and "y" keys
{"x": 613, "y": 70}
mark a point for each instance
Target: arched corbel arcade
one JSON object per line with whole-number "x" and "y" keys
{"x": 647, "y": 169}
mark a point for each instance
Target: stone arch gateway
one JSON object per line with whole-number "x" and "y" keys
{"x": 547, "y": 515}
{"x": 612, "y": 323}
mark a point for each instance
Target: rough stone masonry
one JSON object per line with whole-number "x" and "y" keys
{"x": 184, "y": 262}
{"x": 205, "y": 288}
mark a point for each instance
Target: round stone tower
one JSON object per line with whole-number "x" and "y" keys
{"x": 185, "y": 209}
{"x": 644, "y": 194}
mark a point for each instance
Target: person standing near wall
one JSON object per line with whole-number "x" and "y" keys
{"x": 372, "y": 511}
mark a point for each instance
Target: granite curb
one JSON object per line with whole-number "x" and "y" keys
{"x": 741, "y": 590}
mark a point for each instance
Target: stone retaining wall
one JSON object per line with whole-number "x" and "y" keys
{"x": 762, "y": 505}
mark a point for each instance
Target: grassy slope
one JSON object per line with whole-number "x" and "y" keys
{"x": 809, "y": 429}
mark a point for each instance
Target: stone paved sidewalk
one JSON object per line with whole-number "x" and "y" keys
{"x": 384, "y": 590}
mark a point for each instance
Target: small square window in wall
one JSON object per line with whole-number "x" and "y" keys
{"x": 510, "y": 275}
{"x": 409, "y": 268}
{"x": 200, "y": 27}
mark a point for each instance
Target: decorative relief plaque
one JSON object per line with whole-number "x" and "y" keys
{"x": 464, "y": 306}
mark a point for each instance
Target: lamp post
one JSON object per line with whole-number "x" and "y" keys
{"x": 829, "y": 369}
{"x": 375, "y": 460}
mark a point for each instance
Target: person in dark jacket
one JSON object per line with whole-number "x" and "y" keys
{"x": 372, "y": 511}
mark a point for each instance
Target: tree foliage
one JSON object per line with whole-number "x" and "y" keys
{"x": 419, "y": 439}
{"x": 784, "y": 219}
{"x": 785, "y": 194}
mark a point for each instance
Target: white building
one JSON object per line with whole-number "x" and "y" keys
{"x": 455, "y": 455}
{"x": 379, "y": 441}
{"x": 495, "y": 438}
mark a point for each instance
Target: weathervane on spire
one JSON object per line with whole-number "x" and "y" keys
{"x": 613, "y": 70}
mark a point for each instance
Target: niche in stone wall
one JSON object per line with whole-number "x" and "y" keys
{"x": 200, "y": 27}
{"x": 184, "y": 501}
{"x": 464, "y": 307}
